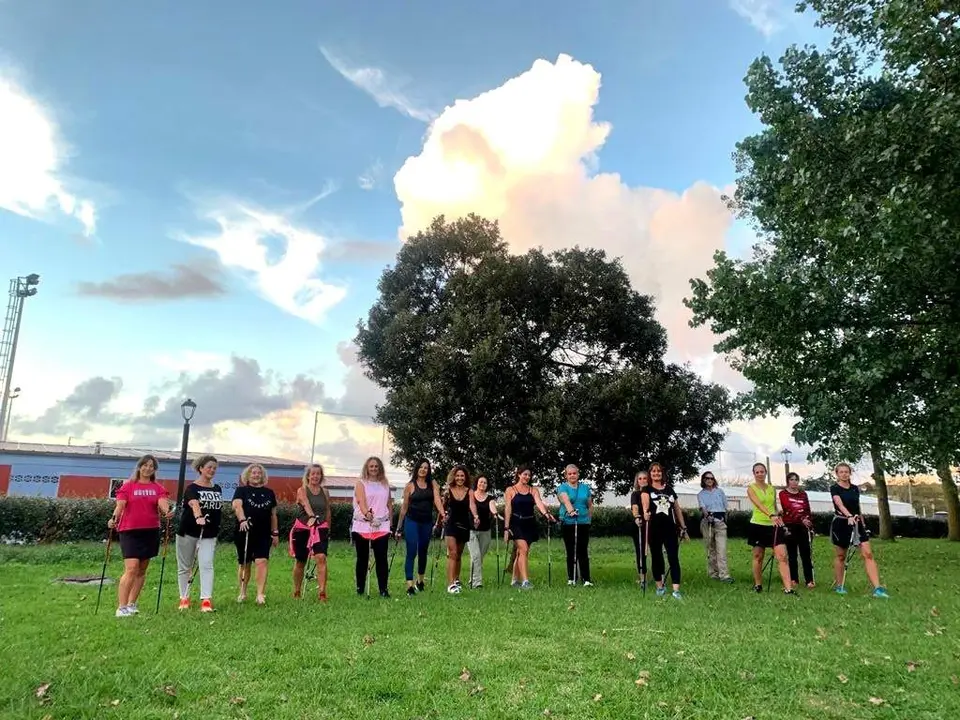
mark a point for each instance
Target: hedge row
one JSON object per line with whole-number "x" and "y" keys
{"x": 44, "y": 520}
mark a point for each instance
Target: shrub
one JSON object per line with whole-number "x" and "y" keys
{"x": 48, "y": 520}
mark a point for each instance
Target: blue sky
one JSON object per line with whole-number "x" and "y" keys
{"x": 200, "y": 131}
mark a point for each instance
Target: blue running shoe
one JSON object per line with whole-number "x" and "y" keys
{"x": 676, "y": 595}
{"x": 661, "y": 591}
{"x": 880, "y": 592}
{"x": 840, "y": 590}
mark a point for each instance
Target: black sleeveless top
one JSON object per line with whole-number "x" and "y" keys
{"x": 458, "y": 511}
{"x": 483, "y": 512}
{"x": 420, "y": 506}
{"x": 521, "y": 506}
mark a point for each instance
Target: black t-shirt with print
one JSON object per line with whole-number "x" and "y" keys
{"x": 850, "y": 497}
{"x": 211, "y": 505}
{"x": 661, "y": 506}
{"x": 258, "y": 505}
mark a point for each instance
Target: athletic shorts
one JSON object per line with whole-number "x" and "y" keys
{"x": 457, "y": 532}
{"x": 762, "y": 536}
{"x": 300, "y": 550}
{"x": 140, "y": 544}
{"x": 841, "y": 532}
{"x": 257, "y": 549}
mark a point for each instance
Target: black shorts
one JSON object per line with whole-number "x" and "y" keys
{"x": 140, "y": 544}
{"x": 457, "y": 532}
{"x": 841, "y": 532}
{"x": 257, "y": 549}
{"x": 762, "y": 536}
{"x": 300, "y": 550}
{"x": 524, "y": 529}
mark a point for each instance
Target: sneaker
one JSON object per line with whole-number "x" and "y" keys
{"x": 791, "y": 592}
{"x": 420, "y": 586}
{"x": 840, "y": 590}
{"x": 570, "y": 582}
{"x": 478, "y": 586}
{"x": 453, "y": 589}
{"x": 758, "y": 588}
{"x": 727, "y": 579}
{"x": 880, "y": 592}
{"x": 514, "y": 583}
{"x": 676, "y": 595}
{"x": 385, "y": 594}
{"x": 132, "y": 609}
{"x": 411, "y": 591}
{"x": 661, "y": 591}
{"x": 123, "y": 612}
{"x": 526, "y": 585}
{"x": 184, "y": 604}
{"x": 206, "y": 605}
{"x": 261, "y": 600}
{"x": 587, "y": 583}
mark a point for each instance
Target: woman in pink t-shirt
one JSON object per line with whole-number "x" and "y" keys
{"x": 372, "y": 513}
{"x": 141, "y": 501}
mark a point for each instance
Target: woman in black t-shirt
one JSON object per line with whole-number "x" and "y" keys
{"x": 255, "y": 507}
{"x": 641, "y": 481}
{"x": 480, "y": 538}
{"x": 664, "y": 518}
{"x": 848, "y": 530}
{"x": 197, "y": 535}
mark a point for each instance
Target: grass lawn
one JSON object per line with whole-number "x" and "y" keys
{"x": 722, "y": 652}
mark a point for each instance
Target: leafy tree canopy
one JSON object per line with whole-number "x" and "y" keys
{"x": 495, "y": 360}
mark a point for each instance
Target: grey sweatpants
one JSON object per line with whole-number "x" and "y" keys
{"x": 186, "y": 553}
{"x": 477, "y": 546}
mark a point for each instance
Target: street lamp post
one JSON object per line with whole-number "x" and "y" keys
{"x": 20, "y": 289}
{"x": 187, "y": 408}
{"x": 6, "y": 425}
{"x": 786, "y": 462}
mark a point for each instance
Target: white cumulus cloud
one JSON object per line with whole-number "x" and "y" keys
{"x": 32, "y": 157}
{"x": 288, "y": 278}
{"x": 768, "y": 17}
{"x": 387, "y": 91}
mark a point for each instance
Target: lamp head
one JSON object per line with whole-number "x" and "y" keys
{"x": 32, "y": 279}
{"x": 786, "y": 454}
{"x": 187, "y": 408}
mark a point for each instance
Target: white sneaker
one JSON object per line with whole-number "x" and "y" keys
{"x": 453, "y": 589}
{"x": 132, "y": 609}
{"x": 123, "y": 612}
{"x": 587, "y": 583}
{"x": 571, "y": 582}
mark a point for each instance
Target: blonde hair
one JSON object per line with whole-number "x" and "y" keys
{"x": 305, "y": 480}
{"x": 383, "y": 475}
{"x": 245, "y": 475}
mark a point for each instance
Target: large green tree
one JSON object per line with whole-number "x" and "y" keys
{"x": 494, "y": 359}
{"x": 847, "y": 312}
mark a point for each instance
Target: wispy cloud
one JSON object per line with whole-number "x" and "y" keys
{"x": 180, "y": 283}
{"x": 369, "y": 178}
{"x": 280, "y": 260}
{"x": 32, "y": 156}
{"x": 385, "y": 90}
{"x": 767, "y": 16}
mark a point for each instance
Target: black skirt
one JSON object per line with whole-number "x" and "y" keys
{"x": 140, "y": 544}
{"x": 524, "y": 529}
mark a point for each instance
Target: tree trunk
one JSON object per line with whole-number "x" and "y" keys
{"x": 952, "y": 499}
{"x": 883, "y": 497}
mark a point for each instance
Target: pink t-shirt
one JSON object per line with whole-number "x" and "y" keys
{"x": 377, "y": 497}
{"x": 141, "y": 511}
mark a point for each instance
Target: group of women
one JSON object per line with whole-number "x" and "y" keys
{"x": 466, "y": 516}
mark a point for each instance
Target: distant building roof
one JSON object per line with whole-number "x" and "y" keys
{"x": 132, "y": 453}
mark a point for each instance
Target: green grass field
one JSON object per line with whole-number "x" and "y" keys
{"x": 604, "y": 652}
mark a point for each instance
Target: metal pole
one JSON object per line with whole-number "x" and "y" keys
{"x": 5, "y": 408}
{"x": 313, "y": 445}
{"x": 383, "y": 441}
{"x": 181, "y": 480}
{"x": 6, "y": 425}
{"x": 786, "y": 470}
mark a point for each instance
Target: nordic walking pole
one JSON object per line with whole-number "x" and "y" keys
{"x": 163, "y": 562}
{"x": 643, "y": 557}
{"x": 196, "y": 555}
{"x": 244, "y": 578}
{"x": 576, "y": 551}
{"x": 549, "y": 559}
{"x": 436, "y": 558}
{"x": 773, "y": 556}
{"x": 854, "y": 544}
{"x": 106, "y": 559}
{"x": 496, "y": 529}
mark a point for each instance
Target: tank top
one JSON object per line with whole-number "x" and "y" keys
{"x": 521, "y": 506}
{"x": 318, "y": 504}
{"x": 483, "y": 512}
{"x": 458, "y": 511}
{"x": 377, "y": 496}
{"x": 766, "y": 498}
{"x": 420, "y": 504}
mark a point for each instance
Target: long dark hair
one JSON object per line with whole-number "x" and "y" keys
{"x": 416, "y": 470}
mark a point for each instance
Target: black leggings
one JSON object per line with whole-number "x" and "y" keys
{"x": 799, "y": 540}
{"x": 581, "y": 557}
{"x": 639, "y": 536}
{"x": 363, "y": 559}
{"x": 665, "y": 539}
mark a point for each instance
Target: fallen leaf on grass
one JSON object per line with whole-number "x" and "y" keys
{"x": 934, "y": 612}
{"x": 170, "y": 690}
{"x": 662, "y": 704}
{"x": 114, "y": 702}
{"x": 546, "y": 712}
{"x": 42, "y": 690}
{"x": 465, "y": 675}
{"x": 744, "y": 675}
{"x": 955, "y": 680}
{"x": 911, "y": 666}
{"x": 598, "y": 697}
{"x": 842, "y": 679}
{"x": 237, "y": 701}
{"x": 821, "y": 634}
{"x": 865, "y": 661}
{"x": 477, "y": 690}
{"x": 368, "y": 640}
{"x": 681, "y": 652}
{"x": 571, "y": 606}
{"x": 47, "y": 717}
{"x": 877, "y": 701}
{"x": 604, "y": 633}
{"x": 631, "y": 656}
{"x": 643, "y": 679}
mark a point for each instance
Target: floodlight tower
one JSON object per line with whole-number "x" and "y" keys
{"x": 20, "y": 289}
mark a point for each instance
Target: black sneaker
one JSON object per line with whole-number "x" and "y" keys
{"x": 758, "y": 588}
{"x": 420, "y": 586}
{"x": 411, "y": 591}
{"x": 385, "y": 594}
{"x": 791, "y": 592}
